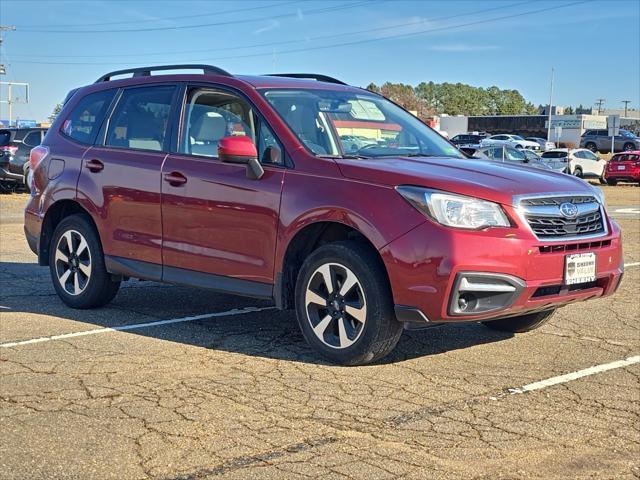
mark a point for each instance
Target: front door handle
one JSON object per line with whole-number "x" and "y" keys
{"x": 175, "y": 179}
{"x": 94, "y": 165}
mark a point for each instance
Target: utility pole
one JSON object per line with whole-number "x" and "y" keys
{"x": 626, "y": 103}
{"x": 600, "y": 103}
{"x": 4, "y": 28}
{"x": 549, "y": 112}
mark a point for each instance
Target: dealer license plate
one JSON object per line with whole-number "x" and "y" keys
{"x": 579, "y": 268}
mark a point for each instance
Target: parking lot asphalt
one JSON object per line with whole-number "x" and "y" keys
{"x": 177, "y": 383}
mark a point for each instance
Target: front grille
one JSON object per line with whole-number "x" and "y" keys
{"x": 558, "y": 289}
{"x": 556, "y": 201}
{"x": 544, "y": 227}
{"x": 574, "y": 247}
{"x": 544, "y": 216}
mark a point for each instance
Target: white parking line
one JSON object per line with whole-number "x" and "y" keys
{"x": 96, "y": 331}
{"x": 575, "y": 375}
{"x": 634, "y": 264}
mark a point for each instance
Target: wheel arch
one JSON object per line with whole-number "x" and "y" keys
{"x": 304, "y": 242}
{"x": 55, "y": 214}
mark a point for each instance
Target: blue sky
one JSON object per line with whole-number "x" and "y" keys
{"x": 594, "y": 46}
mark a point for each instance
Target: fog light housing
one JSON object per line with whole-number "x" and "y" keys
{"x": 476, "y": 293}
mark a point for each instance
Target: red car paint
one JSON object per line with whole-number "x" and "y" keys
{"x": 175, "y": 211}
{"x": 623, "y": 167}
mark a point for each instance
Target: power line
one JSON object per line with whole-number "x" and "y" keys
{"x": 214, "y": 24}
{"x": 600, "y": 103}
{"x": 173, "y": 17}
{"x": 282, "y": 42}
{"x": 343, "y": 44}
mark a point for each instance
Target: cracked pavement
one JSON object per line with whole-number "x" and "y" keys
{"x": 242, "y": 396}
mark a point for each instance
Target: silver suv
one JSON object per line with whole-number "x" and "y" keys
{"x": 600, "y": 141}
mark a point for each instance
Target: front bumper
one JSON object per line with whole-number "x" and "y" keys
{"x": 425, "y": 265}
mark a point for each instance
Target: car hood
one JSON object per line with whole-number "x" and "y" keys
{"x": 494, "y": 181}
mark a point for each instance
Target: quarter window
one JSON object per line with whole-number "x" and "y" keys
{"x": 32, "y": 139}
{"x": 141, "y": 118}
{"x": 84, "y": 121}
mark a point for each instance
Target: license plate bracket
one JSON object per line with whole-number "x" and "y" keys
{"x": 579, "y": 268}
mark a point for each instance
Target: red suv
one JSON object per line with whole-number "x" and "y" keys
{"x": 623, "y": 167}
{"x": 242, "y": 184}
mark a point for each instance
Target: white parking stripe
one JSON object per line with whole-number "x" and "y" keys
{"x": 575, "y": 375}
{"x": 96, "y": 331}
{"x": 634, "y": 264}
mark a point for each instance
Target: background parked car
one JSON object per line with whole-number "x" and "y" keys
{"x": 353, "y": 143}
{"x": 543, "y": 142}
{"x": 15, "y": 145}
{"x": 623, "y": 167}
{"x": 511, "y": 155}
{"x": 600, "y": 141}
{"x": 580, "y": 162}
{"x": 469, "y": 138}
{"x": 515, "y": 141}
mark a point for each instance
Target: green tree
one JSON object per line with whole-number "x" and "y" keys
{"x": 56, "y": 111}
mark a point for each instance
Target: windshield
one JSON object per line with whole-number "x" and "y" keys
{"x": 626, "y": 133}
{"x": 517, "y": 137}
{"x": 339, "y": 123}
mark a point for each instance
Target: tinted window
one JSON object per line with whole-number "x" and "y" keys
{"x": 602, "y": 132}
{"x": 5, "y": 137}
{"x": 84, "y": 121}
{"x": 140, "y": 119}
{"x": 32, "y": 139}
{"x": 554, "y": 154}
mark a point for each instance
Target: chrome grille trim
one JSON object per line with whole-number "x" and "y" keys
{"x": 541, "y": 214}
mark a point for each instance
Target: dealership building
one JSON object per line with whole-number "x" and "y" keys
{"x": 565, "y": 129}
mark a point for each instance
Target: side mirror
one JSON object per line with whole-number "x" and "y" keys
{"x": 272, "y": 155}
{"x": 241, "y": 149}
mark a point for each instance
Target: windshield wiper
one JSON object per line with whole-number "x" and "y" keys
{"x": 345, "y": 157}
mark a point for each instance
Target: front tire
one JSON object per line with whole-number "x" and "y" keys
{"x": 591, "y": 146}
{"x": 628, "y": 147}
{"x": 344, "y": 304}
{"x": 522, "y": 323}
{"x": 577, "y": 172}
{"x": 76, "y": 263}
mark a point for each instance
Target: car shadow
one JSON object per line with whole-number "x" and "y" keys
{"x": 267, "y": 333}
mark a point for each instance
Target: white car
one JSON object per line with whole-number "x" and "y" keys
{"x": 515, "y": 141}
{"x": 545, "y": 144}
{"x": 580, "y": 162}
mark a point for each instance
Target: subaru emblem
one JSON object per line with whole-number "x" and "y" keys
{"x": 568, "y": 210}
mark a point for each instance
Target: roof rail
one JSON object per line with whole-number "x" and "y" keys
{"x": 146, "y": 71}
{"x": 312, "y": 76}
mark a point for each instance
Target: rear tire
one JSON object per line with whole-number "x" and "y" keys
{"x": 612, "y": 181}
{"x": 76, "y": 263}
{"x": 628, "y": 147}
{"x": 591, "y": 146}
{"x": 603, "y": 181}
{"x": 522, "y": 323}
{"x": 26, "y": 179}
{"x": 351, "y": 321}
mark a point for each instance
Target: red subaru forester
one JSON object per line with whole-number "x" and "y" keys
{"x": 324, "y": 197}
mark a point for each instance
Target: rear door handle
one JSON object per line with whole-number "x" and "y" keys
{"x": 94, "y": 165}
{"x": 175, "y": 179}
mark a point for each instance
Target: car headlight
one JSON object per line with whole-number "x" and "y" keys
{"x": 453, "y": 210}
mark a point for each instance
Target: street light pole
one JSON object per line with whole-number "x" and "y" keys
{"x": 549, "y": 112}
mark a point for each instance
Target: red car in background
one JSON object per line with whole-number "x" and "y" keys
{"x": 623, "y": 167}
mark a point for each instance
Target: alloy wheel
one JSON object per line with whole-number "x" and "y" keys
{"x": 336, "y": 306}
{"x": 73, "y": 262}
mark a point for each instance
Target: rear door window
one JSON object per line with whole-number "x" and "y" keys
{"x": 84, "y": 121}
{"x": 141, "y": 118}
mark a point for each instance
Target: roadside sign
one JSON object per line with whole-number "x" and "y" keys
{"x": 613, "y": 124}
{"x": 558, "y": 132}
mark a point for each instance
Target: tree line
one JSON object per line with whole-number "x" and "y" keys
{"x": 429, "y": 98}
